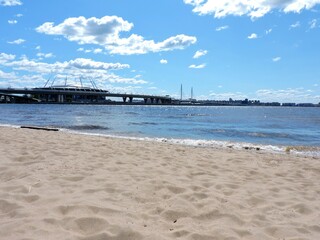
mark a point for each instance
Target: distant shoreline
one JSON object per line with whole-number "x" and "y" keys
{"x": 181, "y": 104}
{"x": 84, "y": 95}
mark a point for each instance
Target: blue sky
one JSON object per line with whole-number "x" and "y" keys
{"x": 267, "y": 50}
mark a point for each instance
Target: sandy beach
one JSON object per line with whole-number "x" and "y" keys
{"x": 57, "y": 185}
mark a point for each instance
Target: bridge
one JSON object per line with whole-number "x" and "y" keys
{"x": 74, "y": 94}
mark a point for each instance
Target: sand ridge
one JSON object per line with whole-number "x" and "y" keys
{"x": 55, "y": 185}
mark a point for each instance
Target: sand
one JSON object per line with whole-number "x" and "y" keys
{"x": 57, "y": 185}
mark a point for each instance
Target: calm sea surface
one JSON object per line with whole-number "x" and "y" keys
{"x": 278, "y": 126}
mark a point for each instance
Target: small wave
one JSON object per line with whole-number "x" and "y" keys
{"x": 198, "y": 115}
{"x": 189, "y": 115}
{"x": 9, "y": 125}
{"x": 28, "y": 116}
{"x": 256, "y": 134}
{"x": 87, "y": 127}
{"x": 268, "y": 135}
{"x": 82, "y": 114}
{"x": 239, "y": 133}
{"x": 131, "y": 113}
{"x": 142, "y": 123}
{"x": 182, "y": 116}
{"x": 217, "y": 130}
{"x": 304, "y": 150}
{"x": 296, "y": 150}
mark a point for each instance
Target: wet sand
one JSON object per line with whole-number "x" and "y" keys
{"x": 57, "y": 185}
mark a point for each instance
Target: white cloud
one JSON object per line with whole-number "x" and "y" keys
{"x": 137, "y": 45}
{"x": 19, "y": 15}
{"x": 313, "y": 24}
{"x": 41, "y": 67}
{"x": 276, "y": 59}
{"x": 227, "y": 95}
{"x": 127, "y": 89}
{"x": 7, "y": 76}
{"x": 112, "y": 78}
{"x": 253, "y": 36}
{"x": 12, "y": 21}
{"x": 45, "y": 55}
{"x": 18, "y": 41}
{"x": 268, "y": 31}
{"x": 163, "y": 61}
{"x": 88, "y": 31}
{"x": 77, "y": 64}
{"x": 38, "y": 48}
{"x": 87, "y": 68}
{"x": 9, "y": 3}
{"x": 253, "y": 9}
{"x": 106, "y": 31}
{"x": 295, "y": 25}
{"x": 197, "y": 66}
{"x": 6, "y": 57}
{"x": 200, "y": 53}
{"x": 97, "y": 50}
{"x": 218, "y": 29}
{"x": 297, "y": 95}
{"x": 83, "y": 63}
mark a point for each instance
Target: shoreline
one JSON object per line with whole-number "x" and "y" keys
{"x": 298, "y": 150}
{"x": 57, "y": 185}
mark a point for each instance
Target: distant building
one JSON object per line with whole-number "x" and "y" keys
{"x": 288, "y": 104}
{"x": 306, "y": 105}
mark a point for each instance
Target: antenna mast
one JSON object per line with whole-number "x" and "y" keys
{"x": 48, "y": 79}
{"x": 81, "y": 81}
{"x": 53, "y": 80}
{"x": 47, "y": 82}
{"x": 94, "y": 85}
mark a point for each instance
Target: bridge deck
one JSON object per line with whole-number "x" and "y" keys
{"x": 83, "y": 92}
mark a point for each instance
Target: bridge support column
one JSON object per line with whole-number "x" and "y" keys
{"x": 145, "y": 100}
{"x": 152, "y": 100}
{"x": 124, "y": 99}
{"x": 130, "y": 99}
{"x": 61, "y": 98}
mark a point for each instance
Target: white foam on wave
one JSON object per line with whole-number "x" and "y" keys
{"x": 194, "y": 142}
{"x": 9, "y": 125}
{"x": 304, "y": 151}
{"x": 301, "y": 151}
{"x": 224, "y": 144}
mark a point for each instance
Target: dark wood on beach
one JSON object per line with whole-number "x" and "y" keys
{"x": 41, "y": 128}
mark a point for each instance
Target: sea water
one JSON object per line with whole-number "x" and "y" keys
{"x": 269, "y": 127}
